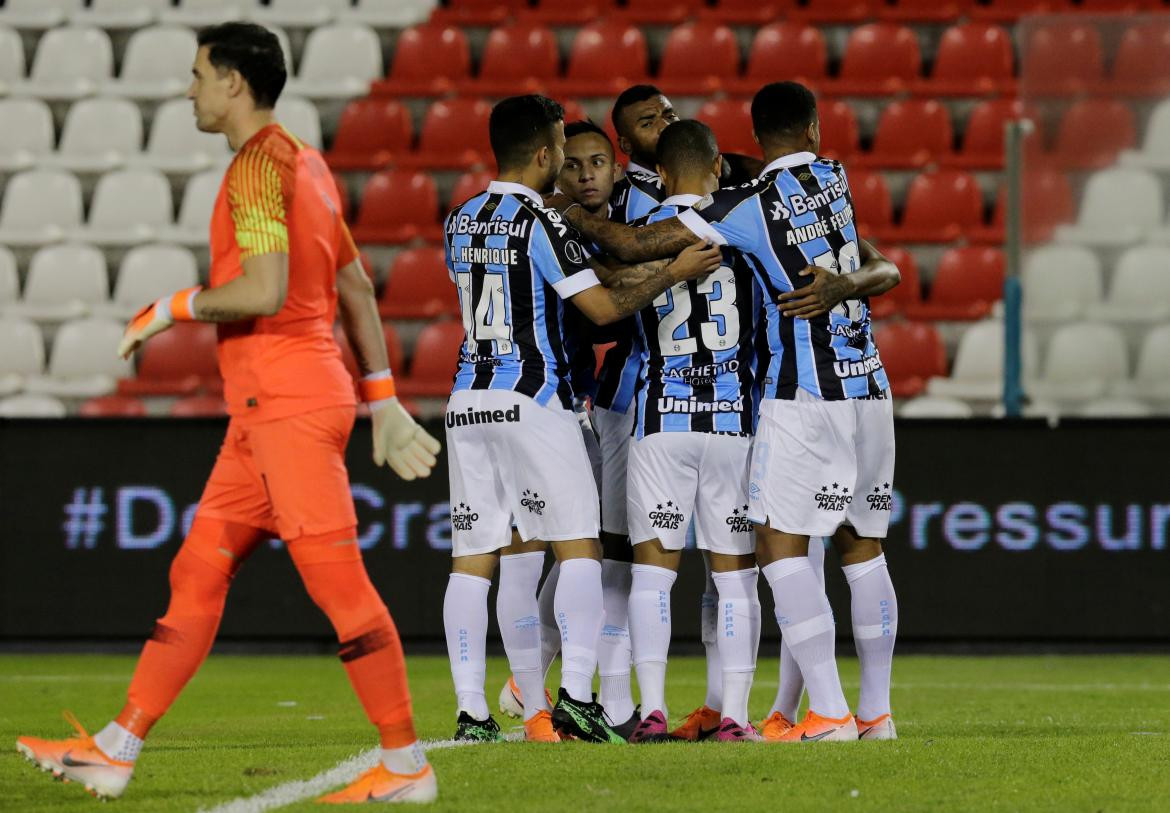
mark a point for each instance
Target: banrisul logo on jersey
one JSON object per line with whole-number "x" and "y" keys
{"x": 879, "y": 499}
{"x": 665, "y": 516}
{"x": 532, "y": 501}
{"x": 833, "y": 498}
{"x": 462, "y": 517}
{"x": 738, "y": 522}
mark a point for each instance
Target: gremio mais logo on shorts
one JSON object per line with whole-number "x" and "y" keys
{"x": 738, "y": 522}
{"x": 462, "y": 517}
{"x": 836, "y": 498}
{"x": 532, "y": 501}
{"x": 666, "y": 517}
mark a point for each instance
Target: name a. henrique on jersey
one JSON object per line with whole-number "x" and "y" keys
{"x": 691, "y": 406}
{"x": 477, "y": 416}
{"x": 485, "y": 255}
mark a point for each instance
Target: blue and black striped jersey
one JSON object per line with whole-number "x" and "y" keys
{"x": 798, "y": 213}
{"x": 698, "y": 359}
{"x": 514, "y": 262}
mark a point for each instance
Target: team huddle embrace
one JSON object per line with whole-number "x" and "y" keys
{"x": 740, "y": 399}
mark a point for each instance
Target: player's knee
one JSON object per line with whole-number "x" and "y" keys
{"x": 196, "y": 586}
{"x": 343, "y": 591}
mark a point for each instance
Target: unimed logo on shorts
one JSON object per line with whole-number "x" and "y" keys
{"x": 835, "y": 499}
{"x": 475, "y": 416}
{"x": 532, "y": 501}
{"x": 462, "y": 517}
{"x": 667, "y": 517}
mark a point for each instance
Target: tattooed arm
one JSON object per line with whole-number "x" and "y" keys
{"x": 666, "y": 238}
{"x": 829, "y": 289}
{"x": 259, "y": 291}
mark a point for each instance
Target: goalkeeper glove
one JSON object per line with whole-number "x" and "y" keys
{"x": 157, "y": 317}
{"x": 398, "y": 441}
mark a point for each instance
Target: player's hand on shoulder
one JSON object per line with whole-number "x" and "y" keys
{"x": 557, "y": 201}
{"x": 826, "y": 291}
{"x": 695, "y": 260}
{"x": 400, "y": 442}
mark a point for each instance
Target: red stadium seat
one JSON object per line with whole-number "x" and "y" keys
{"x": 792, "y": 50}
{"x": 1061, "y": 58}
{"x": 983, "y": 144}
{"x": 113, "y": 406}
{"x": 518, "y": 58}
{"x": 454, "y": 135}
{"x": 1047, "y": 202}
{"x": 179, "y": 361}
{"x": 393, "y": 351}
{"x": 1142, "y": 64}
{"x": 973, "y": 59}
{"x": 731, "y": 121}
{"x": 1119, "y": 6}
{"x": 836, "y": 12}
{"x": 660, "y": 12}
{"x": 969, "y": 280}
{"x": 574, "y": 110}
{"x": 477, "y": 12}
{"x": 1008, "y": 11}
{"x": 905, "y": 293}
{"x": 468, "y": 185}
{"x": 872, "y": 208}
{"x": 1093, "y": 131}
{"x": 746, "y": 12}
{"x": 199, "y": 406}
{"x": 840, "y": 136}
{"x": 924, "y": 11}
{"x": 940, "y": 207}
{"x": 398, "y": 205}
{"x": 370, "y": 134}
{"x": 912, "y": 354}
{"x": 435, "y": 360}
{"x": 880, "y": 59}
{"x": 568, "y": 12}
{"x": 699, "y": 57}
{"x": 419, "y": 286}
{"x": 428, "y": 61}
{"x": 607, "y": 57}
{"x": 911, "y": 133}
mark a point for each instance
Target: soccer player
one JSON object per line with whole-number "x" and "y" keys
{"x": 695, "y": 412}
{"x": 514, "y": 447}
{"x": 823, "y": 457}
{"x": 282, "y": 264}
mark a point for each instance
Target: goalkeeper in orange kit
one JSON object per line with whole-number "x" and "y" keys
{"x": 283, "y": 265}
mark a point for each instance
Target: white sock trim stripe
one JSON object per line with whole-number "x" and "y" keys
{"x": 803, "y": 630}
{"x": 865, "y": 632}
{"x": 862, "y": 569}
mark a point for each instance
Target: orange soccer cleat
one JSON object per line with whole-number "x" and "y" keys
{"x": 79, "y": 760}
{"x": 701, "y": 724}
{"x": 815, "y": 728}
{"x": 775, "y": 726}
{"x": 539, "y": 728}
{"x": 512, "y": 702}
{"x": 380, "y": 785}
{"x": 879, "y": 728}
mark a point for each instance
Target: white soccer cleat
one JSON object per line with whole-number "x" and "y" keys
{"x": 510, "y": 702}
{"x": 78, "y": 759}
{"x": 880, "y": 728}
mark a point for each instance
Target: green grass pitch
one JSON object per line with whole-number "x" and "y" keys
{"x": 1058, "y": 733}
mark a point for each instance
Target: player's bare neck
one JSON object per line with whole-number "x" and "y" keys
{"x": 697, "y": 184}
{"x": 240, "y": 131}
{"x": 781, "y": 149}
{"x": 528, "y": 176}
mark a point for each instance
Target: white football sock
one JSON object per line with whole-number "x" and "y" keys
{"x": 806, "y": 622}
{"x": 407, "y": 760}
{"x": 613, "y": 649}
{"x": 580, "y": 614}
{"x": 737, "y": 639}
{"x": 791, "y": 685}
{"x": 709, "y": 626}
{"x": 117, "y": 743}
{"x": 465, "y": 620}
{"x": 650, "y": 632}
{"x": 550, "y": 633}
{"x": 875, "y": 626}
{"x": 517, "y": 614}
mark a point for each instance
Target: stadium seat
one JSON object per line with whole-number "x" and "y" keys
{"x": 1064, "y": 57}
{"x": 63, "y": 282}
{"x": 339, "y": 62}
{"x": 1081, "y": 141}
{"x": 983, "y": 137}
{"x": 1118, "y": 207}
{"x": 840, "y": 136}
{"x": 39, "y": 206}
{"x": 1155, "y": 151}
{"x": 435, "y": 360}
{"x": 746, "y": 12}
{"x": 112, "y": 406}
{"x": 389, "y": 14}
{"x": 32, "y": 406}
{"x": 119, "y": 14}
{"x": 1047, "y": 202}
{"x": 784, "y": 49}
{"x": 200, "y": 13}
{"x": 27, "y": 135}
{"x": 199, "y": 406}
{"x": 398, "y": 205}
{"x": 934, "y": 406}
{"x": 22, "y": 353}
{"x": 11, "y": 57}
{"x": 1139, "y": 290}
{"x": 968, "y": 281}
{"x": 428, "y": 61}
{"x": 179, "y": 361}
{"x": 454, "y": 135}
{"x": 912, "y": 353}
{"x": 699, "y": 57}
{"x": 301, "y": 118}
{"x": 660, "y": 12}
{"x": 195, "y": 210}
{"x": 147, "y": 273}
{"x": 99, "y": 135}
{"x": 518, "y": 58}
{"x": 393, "y": 351}
{"x": 1119, "y": 6}
{"x": 940, "y": 207}
{"x": 881, "y": 59}
{"x": 836, "y": 12}
{"x": 1141, "y": 66}
{"x": 906, "y": 293}
{"x": 38, "y": 14}
{"x": 370, "y": 134}
{"x": 924, "y": 11}
{"x": 1151, "y": 379}
{"x": 299, "y": 13}
{"x": 1061, "y": 282}
{"x": 911, "y": 133}
{"x": 1008, "y": 11}
{"x": 156, "y": 65}
{"x": 977, "y": 373}
{"x": 477, "y": 13}
{"x": 973, "y": 59}
{"x": 419, "y": 286}
{"x": 69, "y": 63}
{"x": 176, "y": 147}
{"x": 731, "y": 122}
{"x": 1111, "y": 408}
{"x": 470, "y": 184}
{"x": 1084, "y": 361}
{"x": 9, "y": 280}
{"x": 82, "y": 362}
{"x": 606, "y": 57}
{"x": 872, "y": 208}
{"x": 130, "y": 206}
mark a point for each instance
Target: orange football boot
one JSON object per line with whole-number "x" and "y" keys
{"x": 815, "y": 728}
{"x": 701, "y": 724}
{"x": 879, "y": 728}
{"x": 380, "y": 785}
{"x": 78, "y": 759}
{"x": 775, "y": 726}
{"x": 539, "y": 728}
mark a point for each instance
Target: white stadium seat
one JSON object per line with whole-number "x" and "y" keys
{"x": 1151, "y": 379}
{"x": 31, "y": 406}
{"x": 1155, "y": 151}
{"x": 1061, "y": 282}
{"x": 70, "y": 63}
{"x": 99, "y": 136}
{"x": 39, "y": 206}
{"x": 9, "y": 279}
{"x": 63, "y": 282}
{"x": 978, "y": 369}
{"x": 38, "y": 14}
{"x": 1119, "y": 207}
{"x": 301, "y": 118}
{"x": 120, "y": 14}
{"x": 339, "y": 62}
{"x": 1084, "y": 361}
{"x": 1116, "y": 408}
{"x": 390, "y": 13}
{"x": 200, "y": 13}
{"x": 26, "y": 136}
{"x": 157, "y": 64}
{"x": 931, "y": 406}
{"x": 11, "y": 58}
{"x": 130, "y": 206}
{"x": 299, "y": 13}
{"x": 194, "y": 221}
{"x": 1140, "y": 290}
{"x": 176, "y": 146}
{"x": 22, "y": 353}
{"x": 148, "y": 273}
{"x": 83, "y": 362}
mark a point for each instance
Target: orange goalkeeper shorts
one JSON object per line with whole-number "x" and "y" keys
{"x": 286, "y": 476}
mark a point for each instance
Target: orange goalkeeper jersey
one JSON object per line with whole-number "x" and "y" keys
{"x": 279, "y": 197}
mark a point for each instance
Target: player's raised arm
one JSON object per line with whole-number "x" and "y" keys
{"x": 829, "y": 289}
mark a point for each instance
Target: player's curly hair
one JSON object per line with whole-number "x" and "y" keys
{"x": 252, "y": 50}
{"x": 783, "y": 110}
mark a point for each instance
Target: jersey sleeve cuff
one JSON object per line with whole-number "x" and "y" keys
{"x": 695, "y": 222}
{"x": 571, "y": 286}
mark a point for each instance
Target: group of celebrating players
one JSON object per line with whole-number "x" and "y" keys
{"x": 741, "y": 394}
